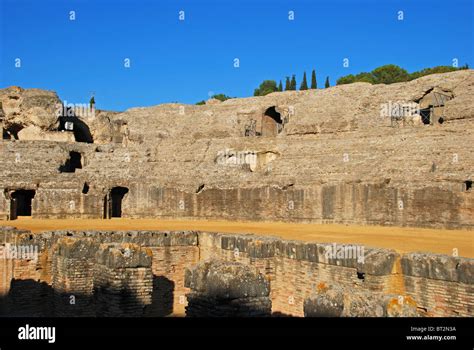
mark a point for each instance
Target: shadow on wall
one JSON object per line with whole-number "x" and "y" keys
{"x": 81, "y": 130}
{"x": 272, "y": 124}
{"x": 30, "y": 298}
{"x": 21, "y": 203}
{"x": 113, "y": 202}
{"x": 162, "y": 297}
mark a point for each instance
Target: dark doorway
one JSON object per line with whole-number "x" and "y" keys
{"x": 272, "y": 113}
{"x": 72, "y": 163}
{"x": 11, "y": 131}
{"x": 80, "y": 129}
{"x": 425, "y": 115}
{"x": 21, "y": 203}
{"x": 115, "y": 201}
{"x": 468, "y": 184}
{"x": 272, "y": 124}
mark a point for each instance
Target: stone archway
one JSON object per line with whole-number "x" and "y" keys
{"x": 272, "y": 124}
{"x": 21, "y": 203}
{"x": 113, "y": 202}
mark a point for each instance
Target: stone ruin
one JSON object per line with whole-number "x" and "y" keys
{"x": 358, "y": 154}
{"x": 226, "y": 289}
{"x": 337, "y": 302}
{"x": 203, "y": 274}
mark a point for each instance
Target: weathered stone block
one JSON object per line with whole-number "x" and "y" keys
{"x": 226, "y": 289}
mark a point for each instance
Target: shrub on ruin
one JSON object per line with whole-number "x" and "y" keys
{"x": 265, "y": 88}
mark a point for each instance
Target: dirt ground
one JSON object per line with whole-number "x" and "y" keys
{"x": 398, "y": 238}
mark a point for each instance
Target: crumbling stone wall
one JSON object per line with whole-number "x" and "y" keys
{"x": 330, "y": 301}
{"x": 123, "y": 280}
{"x": 73, "y": 278}
{"x": 64, "y": 271}
{"x": 227, "y": 289}
{"x": 296, "y": 271}
{"x": 337, "y": 159}
{"x": 441, "y": 284}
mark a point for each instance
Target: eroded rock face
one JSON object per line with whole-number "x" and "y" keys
{"x": 438, "y": 267}
{"x": 226, "y": 289}
{"x": 33, "y": 107}
{"x": 226, "y": 280}
{"x": 325, "y": 155}
{"x": 336, "y": 301}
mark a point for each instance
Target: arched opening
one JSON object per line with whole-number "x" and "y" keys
{"x": 113, "y": 202}
{"x": 21, "y": 203}
{"x": 11, "y": 131}
{"x": 468, "y": 185}
{"x": 80, "y": 129}
{"x": 72, "y": 163}
{"x": 425, "y": 116}
{"x": 272, "y": 124}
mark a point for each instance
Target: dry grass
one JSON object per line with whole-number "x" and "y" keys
{"x": 399, "y": 238}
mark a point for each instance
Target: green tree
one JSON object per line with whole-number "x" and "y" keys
{"x": 314, "y": 83}
{"x": 265, "y": 88}
{"x": 92, "y": 102}
{"x": 304, "y": 84}
{"x": 365, "y": 77}
{"x": 389, "y": 74}
{"x": 433, "y": 70}
{"x": 201, "y": 103}
{"x": 287, "y": 84}
{"x": 293, "y": 83}
{"x": 326, "y": 84}
{"x": 280, "y": 86}
{"x": 347, "y": 79}
{"x": 221, "y": 97}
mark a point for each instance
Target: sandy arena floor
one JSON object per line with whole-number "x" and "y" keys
{"x": 398, "y": 238}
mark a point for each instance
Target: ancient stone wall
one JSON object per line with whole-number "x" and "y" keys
{"x": 296, "y": 271}
{"x": 375, "y": 204}
{"x": 227, "y": 289}
{"x": 336, "y": 159}
{"x": 71, "y": 264}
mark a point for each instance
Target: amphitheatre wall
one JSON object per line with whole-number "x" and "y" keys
{"x": 326, "y": 155}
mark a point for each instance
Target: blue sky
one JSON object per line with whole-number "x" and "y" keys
{"x": 185, "y": 61}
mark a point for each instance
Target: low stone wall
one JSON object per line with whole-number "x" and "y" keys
{"x": 441, "y": 284}
{"x": 64, "y": 264}
{"x": 296, "y": 271}
{"x": 123, "y": 281}
{"x": 336, "y": 301}
{"x": 227, "y": 289}
{"x": 72, "y": 276}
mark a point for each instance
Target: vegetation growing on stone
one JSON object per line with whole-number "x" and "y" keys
{"x": 265, "y": 88}
{"x": 392, "y": 73}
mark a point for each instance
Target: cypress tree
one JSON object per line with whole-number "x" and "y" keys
{"x": 287, "y": 84}
{"x": 280, "y": 86}
{"x": 314, "y": 83}
{"x": 304, "y": 84}
{"x": 293, "y": 83}
{"x": 326, "y": 85}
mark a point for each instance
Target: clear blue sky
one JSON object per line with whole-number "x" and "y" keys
{"x": 172, "y": 60}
